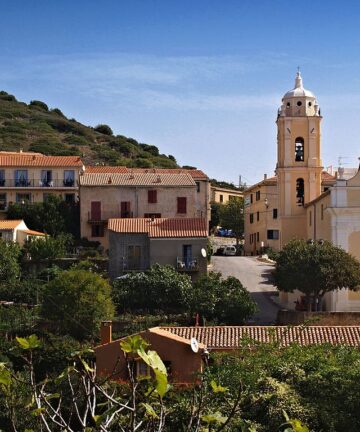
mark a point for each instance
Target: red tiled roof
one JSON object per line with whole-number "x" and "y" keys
{"x": 136, "y": 179}
{"x": 326, "y": 177}
{"x": 225, "y": 337}
{"x": 38, "y": 160}
{"x": 160, "y": 227}
{"x": 33, "y": 233}
{"x": 10, "y": 224}
{"x": 196, "y": 174}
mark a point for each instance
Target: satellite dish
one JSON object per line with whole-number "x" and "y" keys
{"x": 194, "y": 345}
{"x": 203, "y": 252}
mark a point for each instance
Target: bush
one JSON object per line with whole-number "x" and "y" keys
{"x": 104, "y": 129}
{"x": 76, "y": 302}
{"x": 39, "y": 104}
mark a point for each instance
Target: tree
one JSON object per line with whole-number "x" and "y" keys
{"x": 215, "y": 214}
{"x": 161, "y": 288}
{"x": 76, "y": 302}
{"x": 48, "y": 248}
{"x": 232, "y": 216}
{"x": 315, "y": 268}
{"x": 223, "y": 300}
{"x": 104, "y": 129}
{"x": 9, "y": 262}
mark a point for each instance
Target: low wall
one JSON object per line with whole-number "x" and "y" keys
{"x": 286, "y": 317}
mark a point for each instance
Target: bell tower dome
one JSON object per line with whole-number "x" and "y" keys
{"x": 299, "y": 164}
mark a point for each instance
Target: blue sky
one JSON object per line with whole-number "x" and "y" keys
{"x": 202, "y": 80}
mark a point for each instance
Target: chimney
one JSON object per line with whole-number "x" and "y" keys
{"x": 265, "y": 176}
{"x": 106, "y": 332}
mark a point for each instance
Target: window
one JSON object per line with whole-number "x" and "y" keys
{"x": 134, "y": 257}
{"x": 125, "y": 209}
{"x": 257, "y": 196}
{"x": 251, "y": 218}
{"x": 273, "y": 234}
{"x": 257, "y": 236}
{"x": 2, "y": 177}
{"x": 251, "y": 198}
{"x": 21, "y": 178}
{"x": 299, "y": 149}
{"x": 221, "y": 198}
{"x": 2, "y": 201}
{"x": 95, "y": 211}
{"x": 46, "y": 179}
{"x": 69, "y": 178}
{"x": 23, "y": 198}
{"x": 97, "y": 230}
{"x": 298, "y": 103}
{"x": 197, "y": 186}
{"x": 70, "y": 198}
{"x": 152, "y": 196}
{"x": 275, "y": 213}
{"x": 258, "y": 216}
{"x": 322, "y": 211}
{"x": 310, "y": 218}
{"x": 300, "y": 192}
{"x": 181, "y": 205}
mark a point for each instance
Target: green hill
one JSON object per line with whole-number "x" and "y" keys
{"x": 35, "y": 127}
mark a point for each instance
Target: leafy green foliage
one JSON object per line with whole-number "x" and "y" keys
{"x": 47, "y": 248}
{"x": 104, "y": 129}
{"x": 76, "y": 302}
{"x": 9, "y": 262}
{"x": 39, "y": 104}
{"x": 232, "y": 216}
{"x": 223, "y": 300}
{"x": 315, "y": 268}
{"x": 161, "y": 288}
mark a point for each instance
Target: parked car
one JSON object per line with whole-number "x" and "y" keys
{"x": 229, "y": 251}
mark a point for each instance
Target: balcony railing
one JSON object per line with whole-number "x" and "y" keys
{"x": 37, "y": 183}
{"x": 105, "y": 215}
{"x": 186, "y": 264}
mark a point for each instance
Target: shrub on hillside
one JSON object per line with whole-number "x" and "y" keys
{"x": 104, "y": 129}
{"x": 39, "y": 104}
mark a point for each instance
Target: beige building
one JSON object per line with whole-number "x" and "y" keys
{"x": 224, "y": 195}
{"x": 261, "y": 217}
{"x": 312, "y": 203}
{"x": 138, "y": 244}
{"x": 17, "y": 231}
{"x": 31, "y": 177}
{"x": 120, "y": 192}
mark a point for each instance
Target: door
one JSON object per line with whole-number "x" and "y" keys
{"x": 125, "y": 209}
{"x": 96, "y": 210}
{"x": 187, "y": 255}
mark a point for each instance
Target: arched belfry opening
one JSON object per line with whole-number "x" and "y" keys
{"x": 299, "y": 149}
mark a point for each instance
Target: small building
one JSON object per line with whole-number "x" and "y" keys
{"x": 222, "y": 195}
{"x": 137, "y": 244}
{"x": 17, "y": 231}
{"x": 121, "y": 192}
{"x": 175, "y": 345}
{"x": 32, "y": 177}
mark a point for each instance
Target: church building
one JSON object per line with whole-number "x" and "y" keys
{"x": 302, "y": 200}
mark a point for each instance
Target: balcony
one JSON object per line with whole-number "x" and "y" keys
{"x": 97, "y": 217}
{"x": 187, "y": 265}
{"x": 37, "y": 183}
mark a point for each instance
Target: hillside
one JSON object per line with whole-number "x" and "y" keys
{"x": 35, "y": 127}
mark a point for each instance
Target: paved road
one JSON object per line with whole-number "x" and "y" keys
{"x": 253, "y": 274}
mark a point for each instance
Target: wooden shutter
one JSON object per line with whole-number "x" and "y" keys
{"x": 96, "y": 210}
{"x": 152, "y": 196}
{"x": 181, "y": 205}
{"x": 125, "y": 209}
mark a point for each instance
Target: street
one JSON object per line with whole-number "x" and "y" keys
{"x": 253, "y": 274}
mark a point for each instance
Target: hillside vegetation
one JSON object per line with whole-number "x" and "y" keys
{"x": 35, "y": 127}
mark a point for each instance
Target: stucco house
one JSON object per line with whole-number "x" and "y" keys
{"x": 31, "y": 177}
{"x": 17, "y": 231}
{"x": 137, "y": 244}
{"x": 121, "y": 192}
{"x": 173, "y": 344}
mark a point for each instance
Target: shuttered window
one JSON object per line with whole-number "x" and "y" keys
{"x": 181, "y": 205}
{"x": 152, "y": 196}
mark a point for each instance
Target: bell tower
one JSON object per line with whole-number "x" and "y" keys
{"x": 299, "y": 164}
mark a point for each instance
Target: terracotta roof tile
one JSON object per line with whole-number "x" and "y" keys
{"x": 161, "y": 227}
{"x": 9, "y": 224}
{"x": 32, "y": 232}
{"x": 38, "y": 160}
{"x": 225, "y": 337}
{"x": 196, "y": 174}
{"x": 136, "y": 179}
